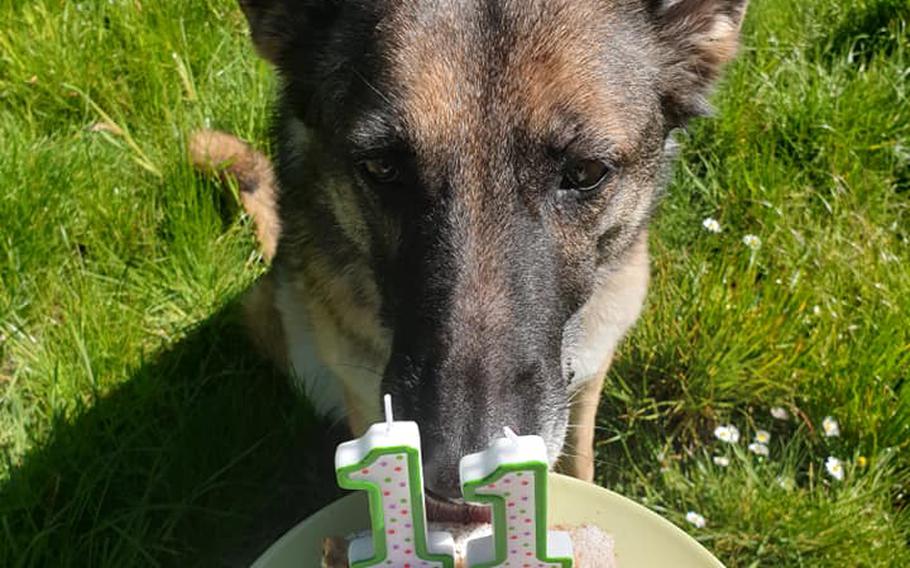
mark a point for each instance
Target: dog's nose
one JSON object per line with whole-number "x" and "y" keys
{"x": 441, "y": 476}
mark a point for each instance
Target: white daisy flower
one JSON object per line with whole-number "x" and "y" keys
{"x": 752, "y": 242}
{"x": 722, "y": 461}
{"x": 711, "y": 225}
{"x": 696, "y": 520}
{"x": 831, "y": 427}
{"x": 728, "y": 434}
{"x": 780, "y": 413}
{"x": 835, "y": 468}
{"x": 762, "y": 436}
{"x": 759, "y": 449}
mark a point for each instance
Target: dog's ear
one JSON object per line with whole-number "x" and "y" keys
{"x": 698, "y": 38}
{"x": 267, "y": 19}
{"x": 275, "y": 25}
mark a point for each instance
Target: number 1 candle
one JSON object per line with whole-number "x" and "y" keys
{"x": 386, "y": 464}
{"x": 511, "y": 475}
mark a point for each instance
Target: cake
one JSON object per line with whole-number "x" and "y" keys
{"x": 593, "y": 548}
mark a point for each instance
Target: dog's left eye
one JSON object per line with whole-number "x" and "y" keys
{"x": 380, "y": 170}
{"x": 584, "y": 175}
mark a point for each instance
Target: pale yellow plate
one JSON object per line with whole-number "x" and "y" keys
{"x": 643, "y": 538}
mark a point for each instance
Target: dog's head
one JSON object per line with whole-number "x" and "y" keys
{"x": 484, "y": 161}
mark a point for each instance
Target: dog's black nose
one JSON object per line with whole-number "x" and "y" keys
{"x": 441, "y": 475}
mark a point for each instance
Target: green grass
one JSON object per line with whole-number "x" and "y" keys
{"x": 136, "y": 427}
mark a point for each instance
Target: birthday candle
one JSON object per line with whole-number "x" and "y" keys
{"x": 511, "y": 475}
{"x": 386, "y": 464}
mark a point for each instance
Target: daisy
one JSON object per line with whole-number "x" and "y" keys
{"x": 696, "y": 520}
{"x": 835, "y": 468}
{"x": 711, "y": 225}
{"x": 762, "y": 436}
{"x": 780, "y": 413}
{"x": 752, "y": 242}
{"x": 722, "y": 461}
{"x": 759, "y": 449}
{"x": 831, "y": 427}
{"x": 728, "y": 434}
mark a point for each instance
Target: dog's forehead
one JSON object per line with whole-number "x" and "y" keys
{"x": 547, "y": 67}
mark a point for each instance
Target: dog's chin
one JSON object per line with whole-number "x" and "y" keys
{"x": 441, "y": 510}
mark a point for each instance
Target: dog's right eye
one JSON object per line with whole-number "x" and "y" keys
{"x": 584, "y": 175}
{"x": 379, "y": 170}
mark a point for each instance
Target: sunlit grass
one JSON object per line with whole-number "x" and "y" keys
{"x": 135, "y": 428}
{"x": 809, "y": 153}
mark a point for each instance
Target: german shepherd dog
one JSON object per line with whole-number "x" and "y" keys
{"x": 459, "y": 209}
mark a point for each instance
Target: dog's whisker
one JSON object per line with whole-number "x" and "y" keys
{"x": 594, "y": 459}
{"x": 372, "y": 87}
{"x": 572, "y": 454}
{"x": 582, "y": 427}
{"x": 575, "y": 395}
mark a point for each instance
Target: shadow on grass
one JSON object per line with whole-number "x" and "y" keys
{"x": 203, "y": 457}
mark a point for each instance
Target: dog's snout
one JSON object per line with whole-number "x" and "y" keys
{"x": 447, "y": 438}
{"x": 462, "y": 408}
{"x": 477, "y": 344}
{"x": 441, "y": 475}
{"x": 444, "y": 448}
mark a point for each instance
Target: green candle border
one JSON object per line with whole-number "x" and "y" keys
{"x": 380, "y": 552}
{"x": 540, "y": 471}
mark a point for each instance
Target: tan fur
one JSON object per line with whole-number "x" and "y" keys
{"x": 359, "y": 417}
{"x": 229, "y": 158}
{"x": 560, "y": 69}
{"x": 436, "y": 108}
{"x": 557, "y": 69}
{"x": 264, "y": 321}
{"x": 603, "y": 321}
{"x": 578, "y": 458}
{"x": 336, "y": 348}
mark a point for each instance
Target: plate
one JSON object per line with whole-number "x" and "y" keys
{"x": 643, "y": 538}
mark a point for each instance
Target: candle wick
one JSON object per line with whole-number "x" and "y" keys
{"x": 389, "y": 418}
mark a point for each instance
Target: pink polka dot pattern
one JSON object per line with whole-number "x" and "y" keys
{"x": 518, "y": 491}
{"x": 390, "y": 473}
